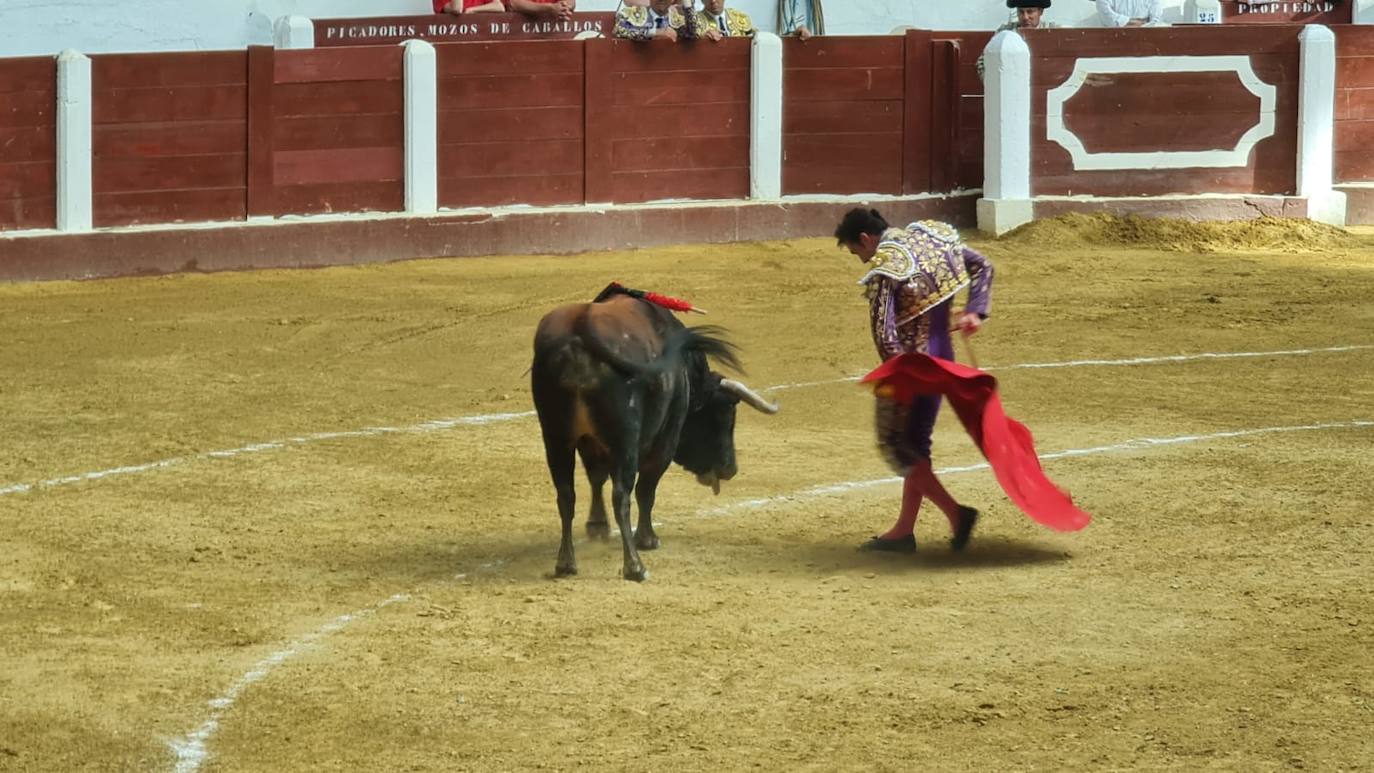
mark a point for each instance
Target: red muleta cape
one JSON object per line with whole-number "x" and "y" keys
{"x": 1005, "y": 442}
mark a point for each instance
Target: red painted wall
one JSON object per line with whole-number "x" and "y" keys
{"x": 1146, "y": 113}
{"x": 28, "y": 143}
{"x": 328, "y": 135}
{"x": 667, "y": 121}
{"x": 1354, "y": 104}
{"x": 169, "y": 137}
{"x": 511, "y": 123}
{"x": 844, "y": 114}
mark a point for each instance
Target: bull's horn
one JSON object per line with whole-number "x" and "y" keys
{"x": 744, "y": 393}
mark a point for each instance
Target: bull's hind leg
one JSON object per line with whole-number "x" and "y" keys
{"x": 597, "y": 467}
{"x": 645, "y": 491}
{"x": 560, "y": 461}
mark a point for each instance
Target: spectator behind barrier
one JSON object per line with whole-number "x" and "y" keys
{"x": 662, "y": 19}
{"x": 1130, "y": 13}
{"x": 802, "y": 18}
{"x": 550, "y": 9}
{"x": 716, "y": 22}
{"x": 1030, "y": 15}
{"x": 457, "y": 7}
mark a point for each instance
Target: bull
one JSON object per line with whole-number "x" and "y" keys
{"x": 625, "y": 386}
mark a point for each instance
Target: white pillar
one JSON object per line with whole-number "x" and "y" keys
{"x": 1006, "y": 201}
{"x": 1363, "y": 12}
{"x": 293, "y": 32}
{"x": 1317, "y": 125}
{"x": 422, "y": 127}
{"x": 765, "y": 120}
{"x": 74, "y": 194}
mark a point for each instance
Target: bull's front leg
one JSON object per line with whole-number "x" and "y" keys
{"x": 645, "y": 492}
{"x": 621, "y": 486}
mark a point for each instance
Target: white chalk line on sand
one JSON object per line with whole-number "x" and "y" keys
{"x": 1158, "y": 360}
{"x": 1137, "y": 444}
{"x": 437, "y": 425}
{"x": 191, "y": 750}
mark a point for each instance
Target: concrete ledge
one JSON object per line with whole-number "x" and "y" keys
{"x": 1184, "y": 207}
{"x": 1359, "y": 203}
{"x": 997, "y": 216}
{"x": 347, "y": 240}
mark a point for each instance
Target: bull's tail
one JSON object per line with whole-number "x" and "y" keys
{"x": 706, "y": 340}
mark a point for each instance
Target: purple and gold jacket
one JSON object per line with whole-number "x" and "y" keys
{"x": 913, "y": 276}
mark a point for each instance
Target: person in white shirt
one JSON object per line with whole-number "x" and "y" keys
{"x": 1129, "y": 13}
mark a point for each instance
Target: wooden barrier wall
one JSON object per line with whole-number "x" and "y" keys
{"x": 890, "y": 115}
{"x": 28, "y": 143}
{"x": 328, "y": 135}
{"x": 844, "y": 114}
{"x": 954, "y": 64}
{"x": 667, "y": 121}
{"x": 1354, "y": 147}
{"x": 1152, "y": 112}
{"x": 169, "y": 137}
{"x": 226, "y": 135}
{"x": 511, "y": 123}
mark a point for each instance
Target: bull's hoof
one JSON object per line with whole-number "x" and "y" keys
{"x": 599, "y": 531}
{"x": 637, "y": 575}
{"x": 646, "y": 542}
{"x": 564, "y": 571}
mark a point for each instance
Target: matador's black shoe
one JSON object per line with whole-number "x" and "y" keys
{"x": 905, "y": 544}
{"x": 967, "y": 518}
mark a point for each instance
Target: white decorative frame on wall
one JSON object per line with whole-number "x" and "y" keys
{"x": 1056, "y": 131}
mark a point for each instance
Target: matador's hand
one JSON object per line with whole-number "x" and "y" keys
{"x": 968, "y": 323}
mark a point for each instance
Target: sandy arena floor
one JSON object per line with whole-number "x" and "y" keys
{"x": 233, "y": 536}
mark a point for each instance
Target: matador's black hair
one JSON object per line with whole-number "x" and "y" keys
{"x": 859, "y": 221}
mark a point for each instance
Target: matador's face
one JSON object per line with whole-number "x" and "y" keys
{"x": 714, "y": 7}
{"x": 865, "y": 248}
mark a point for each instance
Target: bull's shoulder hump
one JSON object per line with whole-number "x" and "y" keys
{"x": 561, "y": 321}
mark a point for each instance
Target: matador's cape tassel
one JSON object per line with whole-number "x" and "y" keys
{"x": 667, "y": 302}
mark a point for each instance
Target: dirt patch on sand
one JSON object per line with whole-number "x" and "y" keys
{"x": 1271, "y": 234}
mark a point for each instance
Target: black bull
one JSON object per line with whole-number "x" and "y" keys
{"x": 627, "y": 387}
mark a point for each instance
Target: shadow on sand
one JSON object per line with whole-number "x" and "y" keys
{"x": 933, "y": 556}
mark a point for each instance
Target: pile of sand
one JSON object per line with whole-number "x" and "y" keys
{"x": 1272, "y": 234}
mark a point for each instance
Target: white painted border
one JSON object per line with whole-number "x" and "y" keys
{"x": 421, "y": 127}
{"x": 765, "y": 134}
{"x": 75, "y": 200}
{"x": 1056, "y": 131}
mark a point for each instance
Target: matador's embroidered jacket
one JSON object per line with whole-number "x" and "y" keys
{"x": 911, "y": 280}
{"x": 634, "y": 22}
{"x": 731, "y": 23}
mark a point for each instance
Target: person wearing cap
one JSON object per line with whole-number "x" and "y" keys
{"x": 716, "y": 22}
{"x": 1030, "y": 15}
{"x": 665, "y": 19}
